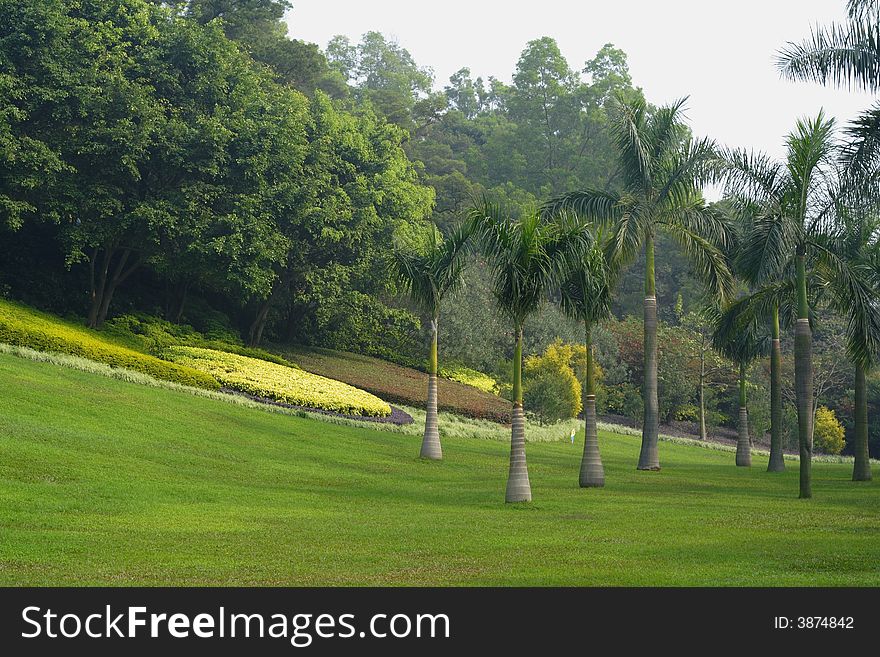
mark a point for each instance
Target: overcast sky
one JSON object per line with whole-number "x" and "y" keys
{"x": 718, "y": 53}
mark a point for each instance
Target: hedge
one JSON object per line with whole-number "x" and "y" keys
{"x": 25, "y": 327}
{"x": 280, "y": 383}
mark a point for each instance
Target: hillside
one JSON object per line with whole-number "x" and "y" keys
{"x": 108, "y": 483}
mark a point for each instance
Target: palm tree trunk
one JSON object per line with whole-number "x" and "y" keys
{"x": 862, "y": 464}
{"x": 431, "y": 441}
{"x": 777, "y": 462}
{"x": 803, "y": 376}
{"x": 649, "y": 458}
{"x": 743, "y": 444}
{"x": 592, "y": 472}
{"x": 518, "y": 487}
{"x": 703, "y": 433}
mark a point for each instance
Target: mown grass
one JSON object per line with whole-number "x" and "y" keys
{"x": 107, "y": 482}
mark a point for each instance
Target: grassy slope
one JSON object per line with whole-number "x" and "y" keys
{"x": 398, "y": 384}
{"x": 105, "y": 482}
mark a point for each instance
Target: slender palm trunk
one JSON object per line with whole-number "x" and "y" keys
{"x": 803, "y": 375}
{"x": 703, "y": 433}
{"x": 777, "y": 462}
{"x": 862, "y": 465}
{"x": 592, "y": 472}
{"x": 431, "y": 441}
{"x": 649, "y": 458}
{"x": 518, "y": 487}
{"x": 743, "y": 444}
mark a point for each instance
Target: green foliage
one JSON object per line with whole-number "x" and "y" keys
{"x": 155, "y": 335}
{"x": 28, "y": 328}
{"x": 551, "y": 391}
{"x": 828, "y": 431}
{"x": 470, "y": 377}
{"x": 280, "y": 383}
{"x": 360, "y": 323}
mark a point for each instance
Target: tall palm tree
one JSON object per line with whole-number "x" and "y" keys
{"x": 661, "y": 169}
{"x": 586, "y": 297}
{"x": 795, "y": 203}
{"x": 428, "y": 274}
{"x": 526, "y": 256}
{"x": 855, "y": 293}
{"x": 742, "y": 343}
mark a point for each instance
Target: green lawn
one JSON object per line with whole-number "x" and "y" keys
{"x": 105, "y": 482}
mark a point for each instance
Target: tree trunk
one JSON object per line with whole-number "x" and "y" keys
{"x": 183, "y": 293}
{"x": 862, "y": 464}
{"x": 431, "y": 441}
{"x": 703, "y": 433}
{"x": 97, "y": 287}
{"x": 102, "y": 294}
{"x": 743, "y": 444}
{"x": 518, "y": 487}
{"x": 592, "y": 473}
{"x": 777, "y": 462}
{"x": 649, "y": 458}
{"x": 803, "y": 375}
{"x": 255, "y": 332}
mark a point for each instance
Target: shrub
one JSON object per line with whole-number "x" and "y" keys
{"x": 550, "y": 388}
{"x": 280, "y": 383}
{"x": 828, "y": 432}
{"x": 25, "y": 327}
{"x": 470, "y": 377}
{"x": 155, "y": 335}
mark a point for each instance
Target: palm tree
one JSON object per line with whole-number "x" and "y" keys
{"x": 526, "y": 257}
{"x": 586, "y": 297}
{"x": 855, "y": 296}
{"x": 742, "y": 343}
{"x": 427, "y": 275}
{"x": 794, "y": 202}
{"x": 661, "y": 170}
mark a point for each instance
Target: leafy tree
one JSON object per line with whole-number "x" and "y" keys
{"x": 661, "y": 169}
{"x": 428, "y": 274}
{"x": 550, "y": 387}
{"x": 526, "y": 257}
{"x": 829, "y": 431}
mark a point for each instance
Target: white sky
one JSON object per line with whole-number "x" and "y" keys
{"x": 719, "y": 53}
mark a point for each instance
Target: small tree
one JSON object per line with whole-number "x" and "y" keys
{"x": 829, "y": 433}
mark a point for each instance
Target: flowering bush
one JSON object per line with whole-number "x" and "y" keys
{"x": 279, "y": 383}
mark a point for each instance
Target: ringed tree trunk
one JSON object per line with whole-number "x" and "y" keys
{"x": 104, "y": 278}
{"x": 649, "y": 458}
{"x": 803, "y": 375}
{"x": 592, "y": 472}
{"x": 743, "y": 444}
{"x": 518, "y": 487}
{"x": 862, "y": 464}
{"x": 431, "y": 441}
{"x": 777, "y": 462}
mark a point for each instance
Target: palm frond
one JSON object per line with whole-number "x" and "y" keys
{"x": 842, "y": 54}
{"x": 707, "y": 260}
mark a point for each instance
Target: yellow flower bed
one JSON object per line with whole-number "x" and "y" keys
{"x": 24, "y": 327}
{"x": 470, "y": 377}
{"x": 283, "y": 384}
